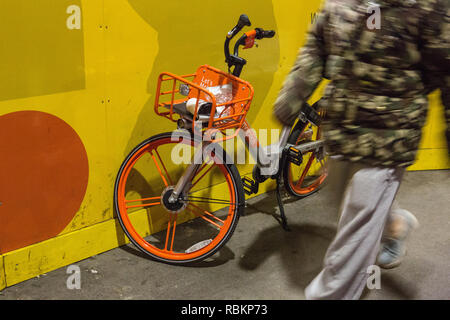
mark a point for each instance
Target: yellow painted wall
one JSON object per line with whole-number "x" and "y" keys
{"x": 100, "y": 79}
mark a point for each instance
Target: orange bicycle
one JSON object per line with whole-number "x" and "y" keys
{"x": 178, "y": 195}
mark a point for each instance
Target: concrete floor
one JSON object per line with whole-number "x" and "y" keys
{"x": 261, "y": 261}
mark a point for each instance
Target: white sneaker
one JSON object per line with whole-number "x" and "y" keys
{"x": 393, "y": 250}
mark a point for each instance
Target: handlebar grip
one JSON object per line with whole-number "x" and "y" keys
{"x": 261, "y": 33}
{"x": 269, "y": 34}
{"x": 242, "y": 22}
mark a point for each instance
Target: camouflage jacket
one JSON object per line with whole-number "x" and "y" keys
{"x": 376, "y": 101}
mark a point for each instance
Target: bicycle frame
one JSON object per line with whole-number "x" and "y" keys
{"x": 268, "y": 158}
{"x": 269, "y": 161}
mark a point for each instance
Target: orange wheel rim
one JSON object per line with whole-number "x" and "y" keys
{"x": 167, "y": 252}
{"x": 297, "y": 186}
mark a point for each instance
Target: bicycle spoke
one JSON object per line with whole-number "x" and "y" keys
{"x": 302, "y": 178}
{"x": 164, "y": 167}
{"x": 203, "y": 217}
{"x": 159, "y": 169}
{"x": 212, "y": 166}
{"x": 208, "y": 213}
{"x": 143, "y": 205}
{"x": 208, "y": 200}
{"x": 146, "y": 199}
{"x": 173, "y": 221}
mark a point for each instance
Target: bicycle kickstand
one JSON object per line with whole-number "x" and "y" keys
{"x": 284, "y": 222}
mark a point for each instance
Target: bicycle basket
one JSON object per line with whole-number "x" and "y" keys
{"x": 198, "y": 87}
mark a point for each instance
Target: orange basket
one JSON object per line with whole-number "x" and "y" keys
{"x": 171, "y": 104}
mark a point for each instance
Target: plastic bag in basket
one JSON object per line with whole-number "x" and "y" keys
{"x": 223, "y": 94}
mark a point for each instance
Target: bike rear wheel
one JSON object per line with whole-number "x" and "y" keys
{"x": 307, "y": 178}
{"x": 196, "y": 226}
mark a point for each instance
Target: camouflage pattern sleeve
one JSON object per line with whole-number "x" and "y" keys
{"x": 436, "y": 52}
{"x": 305, "y": 75}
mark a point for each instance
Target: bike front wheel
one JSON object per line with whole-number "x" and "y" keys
{"x": 198, "y": 224}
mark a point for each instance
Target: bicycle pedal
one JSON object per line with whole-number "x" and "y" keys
{"x": 295, "y": 156}
{"x": 250, "y": 186}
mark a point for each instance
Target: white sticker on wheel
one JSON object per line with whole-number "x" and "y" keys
{"x": 198, "y": 246}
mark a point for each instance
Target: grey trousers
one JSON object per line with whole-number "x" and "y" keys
{"x": 367, "y": 195}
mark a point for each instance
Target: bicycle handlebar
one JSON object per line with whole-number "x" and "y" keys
{"x": 242, "y": 22}
{"x": 246, "y": 40}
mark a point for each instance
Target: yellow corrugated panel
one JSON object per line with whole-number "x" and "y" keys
{"x": 2, "y": 274}
{"x": 101, "y": 79}
{"x": 433, "y": 153}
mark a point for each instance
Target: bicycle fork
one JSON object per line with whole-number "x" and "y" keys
{"x": 187, "y": 176}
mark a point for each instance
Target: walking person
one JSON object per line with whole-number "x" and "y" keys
{"x": 382, "y": 58}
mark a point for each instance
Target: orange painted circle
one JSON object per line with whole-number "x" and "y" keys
{"x": 44, "y": 174}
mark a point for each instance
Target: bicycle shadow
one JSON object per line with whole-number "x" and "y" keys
{"x": 301, "y": 250}
{"x": 268, "y": 204}
{"x": 224, "y": 255}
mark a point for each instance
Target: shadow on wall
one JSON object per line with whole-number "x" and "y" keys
{"x": 40, "y": 54}
{"x": 192, "y": 34}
